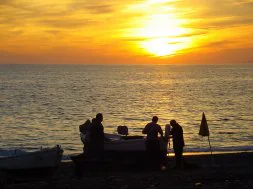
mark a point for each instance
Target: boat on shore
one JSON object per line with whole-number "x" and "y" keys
{"x": 119, "y": 143}
{"x": 121, "y": 152}
{"x": 122, "y": 146}
{"x": 37, "y": 163}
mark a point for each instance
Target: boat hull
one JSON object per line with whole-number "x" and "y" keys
{"x": 133, "y": 145}
{"x": 127, "y": 147}
{"x": 35, "y": 163}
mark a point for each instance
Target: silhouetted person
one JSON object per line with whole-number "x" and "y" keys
{"x": 178, "y": 142}
{"x": 97, "y": 137}
{"x": 152, "y": 141}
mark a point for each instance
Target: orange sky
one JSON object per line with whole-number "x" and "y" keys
{"x": 129, "y": 31}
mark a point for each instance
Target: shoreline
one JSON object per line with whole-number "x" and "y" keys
{"x": 214, "y": 153}
{"x": 171, "y": 154}
{"x": 230, "y": 170}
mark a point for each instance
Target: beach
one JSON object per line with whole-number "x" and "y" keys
{"x": 226, "y": 170}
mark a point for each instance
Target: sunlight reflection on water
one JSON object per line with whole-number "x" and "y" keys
{"x": 43, "y": 105}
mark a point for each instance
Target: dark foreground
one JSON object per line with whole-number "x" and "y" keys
{"x": 233, "y": 170}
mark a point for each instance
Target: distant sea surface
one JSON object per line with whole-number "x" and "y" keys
{"x": 43, "y": 105}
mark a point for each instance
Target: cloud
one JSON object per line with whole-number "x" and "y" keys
{"x": 221, "y": 44}
{"x": 61, "y": 16}
{"x": 191, "y": 34}
{"x": 7, "y": 2}
{"x": 67, "y": 14}
{"x": 244, "y": 2}
{"x": 91, "y": 8}
{"x": 13, "y": 33}
{"x": 221, "y": 23}
{"x": 67, "y": 23}
{"x": 214, "y": 13}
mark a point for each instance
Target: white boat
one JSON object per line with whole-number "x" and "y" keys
{"x": 43, "y": 160}
{"x": 122, "y": 146}
{"x": 121, "y": 151}
{"x": 122, "y": 142}
{"x": 119, "y": 143}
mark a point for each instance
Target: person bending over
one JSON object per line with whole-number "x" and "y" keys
{"x": 178, "y": 142}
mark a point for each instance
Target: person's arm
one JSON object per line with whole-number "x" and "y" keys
{"x": 182, "y": 136}
{"x": 171, "y": 133}
{"x": 160, "y": 131}
{"x": 145, "y": 130}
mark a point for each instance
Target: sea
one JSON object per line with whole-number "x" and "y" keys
{"x": 43, "y": 105}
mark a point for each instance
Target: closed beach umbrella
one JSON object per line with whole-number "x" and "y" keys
{"x": 203, "y": 130}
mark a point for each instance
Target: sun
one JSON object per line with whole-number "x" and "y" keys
{"x": 158, "y": 47}
{"x": 163, "y": 46}
{"x": 163, "y": 35}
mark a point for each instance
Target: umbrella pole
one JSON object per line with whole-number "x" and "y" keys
{"x": 211, "y": 150}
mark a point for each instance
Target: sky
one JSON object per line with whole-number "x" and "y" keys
{"x": 126, "y": 32}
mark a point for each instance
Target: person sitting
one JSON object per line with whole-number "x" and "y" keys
{"x": 152, "y": 141}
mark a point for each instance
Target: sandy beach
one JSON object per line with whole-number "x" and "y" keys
{"x": 232, "y": 170}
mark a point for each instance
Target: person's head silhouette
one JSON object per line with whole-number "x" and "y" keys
{"x": 99, "y": 117}
{"x": 155, "y": 119}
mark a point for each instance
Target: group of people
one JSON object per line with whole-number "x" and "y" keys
{"x": 152, "y": 129}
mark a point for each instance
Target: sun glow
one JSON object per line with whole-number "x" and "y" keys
{"x": 162, "y": 46}
{"x": 163, "y": 35}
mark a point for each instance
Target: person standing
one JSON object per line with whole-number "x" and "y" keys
{"x": 97, "y": 137}
{"x": 152, "y": 141}
{"x": 178, "y": 142}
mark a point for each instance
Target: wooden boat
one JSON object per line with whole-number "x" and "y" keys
{"x": 34, "y": 163}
